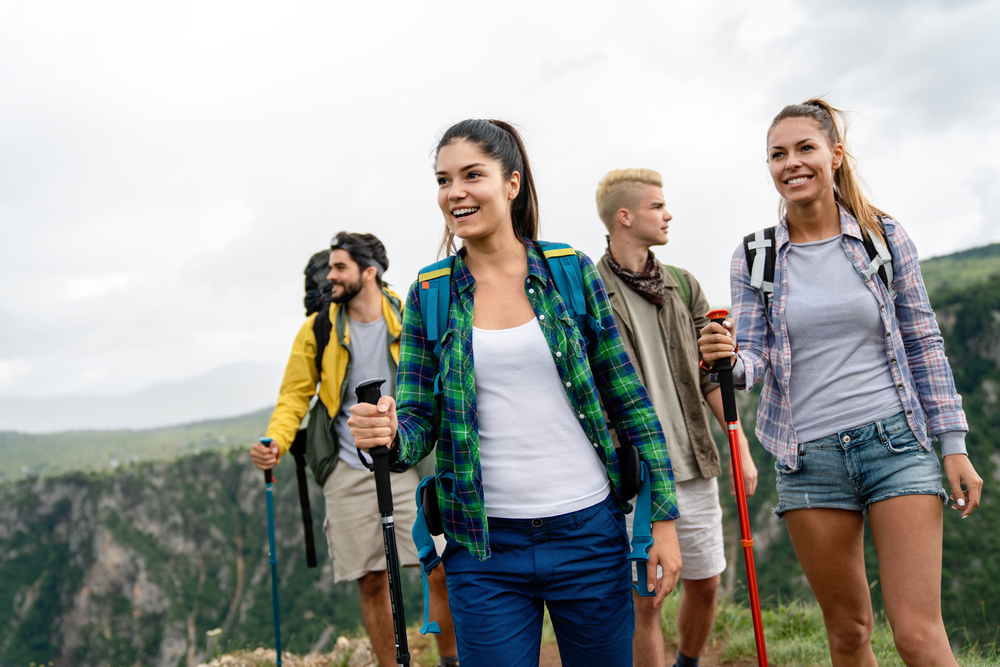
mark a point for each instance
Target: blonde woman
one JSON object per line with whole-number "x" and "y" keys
{"x": 854, "y": 376}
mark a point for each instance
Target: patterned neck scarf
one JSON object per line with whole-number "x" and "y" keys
{"x": 649, "y": 283}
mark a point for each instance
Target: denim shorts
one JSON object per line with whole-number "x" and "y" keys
{"x": 857, "y": 467}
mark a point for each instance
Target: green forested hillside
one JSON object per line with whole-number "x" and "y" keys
{"x": 133, "y": 567}
{"x": 961, "y": 269}
{"x": 46, "y": 454}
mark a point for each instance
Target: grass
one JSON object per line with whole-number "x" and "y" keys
{"x": 795, "y": 636}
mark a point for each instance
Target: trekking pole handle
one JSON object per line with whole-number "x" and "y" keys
{"x": 267, "y": 473}
{"x": 724, "y": 368}
{"x": 370, "y": 391}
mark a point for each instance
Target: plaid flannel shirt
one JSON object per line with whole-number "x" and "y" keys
{"x": 914, "y": 347}
{"x": 592, "y": 374}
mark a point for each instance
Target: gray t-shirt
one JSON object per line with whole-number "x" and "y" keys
{"x": 369, "y": 360}
{"x": 651, "y": 346}
{"x": 840, "y": 376}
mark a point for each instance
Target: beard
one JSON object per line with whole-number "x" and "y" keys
{"x": 348, "y": 291}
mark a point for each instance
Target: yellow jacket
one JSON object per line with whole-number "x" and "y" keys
{"x": 301, "y": 378}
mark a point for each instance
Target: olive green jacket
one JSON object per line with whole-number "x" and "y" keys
{"x": 680, "y": 326}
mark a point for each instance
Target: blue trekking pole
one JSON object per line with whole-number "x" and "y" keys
{"x": 273, "y": 556}
{"x": 369, "y": 392}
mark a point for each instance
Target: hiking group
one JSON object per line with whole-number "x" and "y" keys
{"x": 591, "y": 389}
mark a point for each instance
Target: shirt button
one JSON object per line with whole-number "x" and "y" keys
{"x": 531, "y": 291}
{"x": 847, "y": 438}
{"x": 570, "y": 384}
{"x": 899, "y": 386}
{"x": 673, "y": 344}
{"x": 541, "y": 317}
{"x": 596, "y": 445}
{"x": 893, "y": 360}
{"x": 909, "y": 412}
{"x": 887, "y": 334}
{"x": 581, "y": 415}
{"x": 695, "y": 414}
{"x": 685, "y": 379}
{"x": 558, "y": 354}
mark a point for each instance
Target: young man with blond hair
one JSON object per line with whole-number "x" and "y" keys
{"x": 660, "y": 310}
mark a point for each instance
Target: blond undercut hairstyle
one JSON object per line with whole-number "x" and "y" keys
{"x": 623, "y": 188}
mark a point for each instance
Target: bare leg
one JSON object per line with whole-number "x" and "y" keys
{"x": 907, "y": 535}
{"x": 440, "y": 612}
{"x": 696, "y": 614}
{"x": 376, "y": 612}
{"x": 647, "y": 642}
{"x": 830, "y": 547}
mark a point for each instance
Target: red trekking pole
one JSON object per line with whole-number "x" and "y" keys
{"x": 724, "y": 369}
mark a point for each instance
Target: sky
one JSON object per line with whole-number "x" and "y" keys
{"x": 167, "y": 168}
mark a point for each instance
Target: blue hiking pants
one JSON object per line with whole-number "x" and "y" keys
{"x": 574, "y": 563}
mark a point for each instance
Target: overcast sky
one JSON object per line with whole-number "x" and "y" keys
{"x": 167, "y": 168}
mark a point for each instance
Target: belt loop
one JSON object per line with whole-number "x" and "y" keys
{"x": 881, "y": 429}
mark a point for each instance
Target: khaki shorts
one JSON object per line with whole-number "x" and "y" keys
{"x": 699, "y": 529}
{"x": 353, "y": 525}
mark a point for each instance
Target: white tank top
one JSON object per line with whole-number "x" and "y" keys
{"x": 536, "y": 458}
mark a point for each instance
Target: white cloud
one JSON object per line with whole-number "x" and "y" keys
{"x": 12, "y": 370}
{"x": 168, "y": 168}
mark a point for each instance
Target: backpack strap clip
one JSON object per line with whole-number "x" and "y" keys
{"x": 427, "y": 520}
{"x": 642, "y": 533}
{"x": 762, "y": 268}
{"x": 881, "y": 260}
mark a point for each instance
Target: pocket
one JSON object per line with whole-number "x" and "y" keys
{"x": 615, "y": 517}
{"x": 781, "y": 469}
{"x": 901, "y": 441}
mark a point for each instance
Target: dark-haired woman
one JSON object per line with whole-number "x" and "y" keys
{"x": 532, "y": 515}
{"x": 854, "y": 376}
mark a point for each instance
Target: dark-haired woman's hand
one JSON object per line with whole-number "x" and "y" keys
{"x": 966, "y": 485}
{"x": 666, "y": 553}
{"x": 373, "y": 425}
{"x": 717, "y": 342}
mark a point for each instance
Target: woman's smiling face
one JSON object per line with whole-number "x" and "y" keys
{"x": 473, "y": 193}
{"x": 801, "y": 160}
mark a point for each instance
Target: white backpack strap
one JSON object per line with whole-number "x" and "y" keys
{"x": 760, "y": 245}
{"x": 882, "y": 259}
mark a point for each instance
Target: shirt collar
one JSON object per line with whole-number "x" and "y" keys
{"x": 849, "y": 226}
{"x": 536, "y": 268}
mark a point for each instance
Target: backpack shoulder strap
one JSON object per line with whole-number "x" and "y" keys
{"x": 683, "y": 286}
{"x": 322, "y": 327}
{"x": 880, "y": 259}
{"x": 434, "y": 295}
{"x": 568, "y": 278}
{"x": 760, "y": 254}
{"x": 567, "y": 275}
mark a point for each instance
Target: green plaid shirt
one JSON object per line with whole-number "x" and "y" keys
{"x": 594, "y": 372}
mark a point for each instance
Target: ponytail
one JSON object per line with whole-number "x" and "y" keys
{"x": 500, "y": 141}
{"x": 848, "y": 186}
